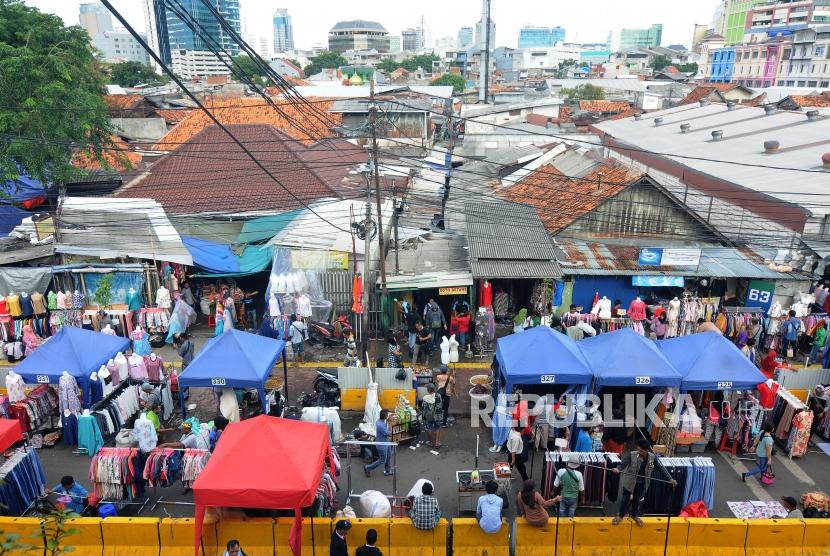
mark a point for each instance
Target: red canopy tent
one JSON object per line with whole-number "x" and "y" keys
{"x": 265, "y": 462}
{"x": 10, "y": 432}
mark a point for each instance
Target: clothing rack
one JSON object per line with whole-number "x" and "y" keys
{"x": 695, "y": 477}
{"x": 594, "y": 470}
{"x": 23, "y": 481}
{"x": 790, "y": 431}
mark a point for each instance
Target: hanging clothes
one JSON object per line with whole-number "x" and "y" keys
{"x": 89, "y": 434}
{"x": 69, "y": 394}
{"x": 23, "y": 481}
{"x": 357, "y": 294}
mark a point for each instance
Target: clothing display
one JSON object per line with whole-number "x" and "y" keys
{"x": 52, "y": 301}
{"x": 116, "y": 474}
{"x": 501, "y": 303}
{"x": 485, "y": 298}
{"x": 116, "y": 410}
{"x": 155, "y": 367}
{"x": 133, "y": 300}
{"x": 799, "y": 438}
{"x": 695, "y": 481}
{"x": 15, "y": 388}
{"x": 144, "y": 432}
{"x": 602, "y": 308}
{"x": 637, "y": 310}
{"x": 65, "y": 317}
{"x": 594, "y": 467}
{"x": 123, "y": 368}
{"x": 786, "y": 426}
{"x": 69, "y": 393}
{"x": 163, "y": 298}
{"x": 89, "y": 434}
{"x": 23, "y": 481}
{"x": 38, "y": 410}
{"x": 141, "y": 346}
{"x": 156, "y": 319}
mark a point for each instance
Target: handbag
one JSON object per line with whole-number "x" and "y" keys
{"x": 790, "y": 353}
{"x": 768, "y": 477}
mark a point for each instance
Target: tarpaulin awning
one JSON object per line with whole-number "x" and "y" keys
{"x": 541, "y": 355}
{"x": 265, "y": 462}
{"x": 28, "y": 279}
{"x": 625, "y": 358}
{"x": 708, "y": 361}
{"x": 24, "y": 191}
{"x": 74, "y": 350}
{"x": 221, "y": 259}
{"x": 266, "y": 227}
{"x": 10, "y": 432}
{"x": 10, "y": 218}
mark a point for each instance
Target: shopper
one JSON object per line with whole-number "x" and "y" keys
{"x": 412, "y": 319}
{"x": 637, "y": 469}
{"x": 148, "y": 396}
{"x": 488, "y": 509}
{"x": 431, "y": 407}
{"x": 570, "y": 480}
{"x": 76, "y": 493}
{"x": 233, "y": 549}
{"x": 763, "y": 451}
{"x": 188, "y": 440}
{"x": 791, "y": 328}
{"x": 351, "y": 359}
{"x": 434, "y": 317}
{"x": 532, "y": 506}
{"x": 338, "y": 546}
{"x": 463, "y": 330}
{"x": 219, "y": 424}
{"x": 445, "y": 382}
{"x": 818, "y": 404}
{"x": 425, "y": 511}
{"x": 393, "y": 358}
{"x": 423, "y": 343}
{"x": 298, "y": 333}
{"x": 185, "y": 348}
{"x": 819, "y": 341}
{"x": 519, "y": 321}
{"x": 516, "y": 451}
{"x": 187, "y": 294}
{"x": 749, "y": 351}
{"x": 769, "y": 364}
{"x": 381, "y": 435}
{"x": 249, "y": 303}
{"x": 791, "y": 505}
{"x": 583, "y": 441}
{"x": 369, "y": 549}
{"x": 153, "y": 416}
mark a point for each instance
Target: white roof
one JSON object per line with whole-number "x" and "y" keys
{"x": 781, "y": 175}
{"x": 634, "y": 85}
{"x": 362, "y": 91}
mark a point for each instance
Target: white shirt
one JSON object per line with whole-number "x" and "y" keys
{"x": 273, "y": 307}
{"x": 514, "y": 442}
{"x": 163, "y": 298}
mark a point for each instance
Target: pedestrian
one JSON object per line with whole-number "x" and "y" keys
{"x": 189, "y": 440}
{"x": 463, "y": 330}
{"x": 338, "y": 546}
{"x": 219, "y": 424}
{"x": 381, "y": 435}
{"x": 792, "y": 326}
{"x": 658, "y": 327}
{"x": 412, "y": 319}
{"x": 532, "y": 506}
{"x": 637, "y": 470}
{"x": 148, "y": 396}
{"x": 351, "y": 359}
{"x": 519, "y": 321}
{"x": 516, "y": 451}
{"x": 769, "y": 364}
{"x": 423, "y": 343}
{"x": 749, "y": 350}
{"x": 369, "y": 549}
{"x": 791, "y": 505}
{"x": 431, "y": 407}
{"x": 584, "y": 443}
{"x": 249, "y": 303}
{"x": 425, "y": 511}
{"x": 763, "y": 451}
{"x": 187, "y": 294}
{"x": 298, "y": 332}
{"x": 445, "y": 381}
{"x": 488, "y": 509}
{"x": 393, "y": 359}
{"x": 233, "y": 549}
{"x": 434, "y": 317}
{"x": 185, "y": 348}
{"x": 818, "y": 404}
{"x": 76, "y": 493}
{"x": 570, "y": 480}
{"x": 153, "y": 416}
{"x": 819, "y": 341}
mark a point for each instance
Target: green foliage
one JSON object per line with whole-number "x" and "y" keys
{"x": 245, "y": 65}
{"x": 660, "y": 63}
{"x": 55, "y": 531}
{"x": 423, "y": 61}
{"x": 130, "y": 74}
{"x": 9, "y": 544}
{"x": 324, "y": 60}
{"x": 456, "y": 81}
{"x": 103, "y": 295}
{"x": 691, "y": 67}
{"x": 584, "y": 92}
{"x": 562, "y": 70}
{"x": 46, "y": 67}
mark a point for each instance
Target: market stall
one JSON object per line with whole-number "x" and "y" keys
{"x": 235, "y": 359}
{"x": 258, "y": 465}
{"x": 74, "y": 351}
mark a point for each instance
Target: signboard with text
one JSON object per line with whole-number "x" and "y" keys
{"x": 759, "y": 294}
{"x": 659, "y": 256}
{"x": 657, "y": 281}
{"x": 458, "y": 290}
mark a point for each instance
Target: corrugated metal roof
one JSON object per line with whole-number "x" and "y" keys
{"x": 515, "y": 269}
{"x": 361, "y": 106}
{"x": 506, "y": 231}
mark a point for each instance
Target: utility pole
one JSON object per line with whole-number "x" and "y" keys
{"x": 373, "y": 114}
{"x": 485, "y": 69}
{"x": 448, "y": 163}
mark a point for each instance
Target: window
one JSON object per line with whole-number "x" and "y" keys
{"x": 812, "y": 83}
{"x": 802, "y": 84}
{"x": 825, "y": 84}
{"x": 786, "y": 55}
{"x": 780, "y": 83}
{"x": 754, "y": 54}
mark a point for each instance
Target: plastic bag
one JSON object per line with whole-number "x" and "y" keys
{"x": 375, "y": 504}
{"x": 182, "y": 318}
{"x": 695, "y": 509}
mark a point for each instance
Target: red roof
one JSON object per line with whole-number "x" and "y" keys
{"x": 118, "y": 156}
{"x": 173, "y": 115}
{"x": 671, "y": 69}
{"x": 122, "y": 102}
{"x": 604, "y": 106}
{"x": 625, "y": 114}
{"x": 812, "y": 101}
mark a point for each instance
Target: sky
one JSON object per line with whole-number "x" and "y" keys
{"x": 584, "y": 20}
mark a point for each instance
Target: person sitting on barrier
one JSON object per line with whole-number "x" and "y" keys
{"x": 76, "y": 493}
{"x": 233, "y": 549}
{"x": 369, "y": 549}
{"x": 532, "y": 505}
{"x": 425, "y": 511}
{"x": 338, "y": 546}
{"x": 637, "y": 468}
{"x": 791, "y": 505}
{"x": 488, "y": 510}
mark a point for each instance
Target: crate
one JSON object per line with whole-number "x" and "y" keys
{"x": 699, "y": 447}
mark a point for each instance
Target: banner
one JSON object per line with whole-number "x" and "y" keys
{"x": 459, "y": 290}
{"x": 657, "y": 281}
{"x": 658, "y": 256}
{"x": 759, "y": 294}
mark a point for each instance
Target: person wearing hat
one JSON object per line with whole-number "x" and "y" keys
{"x": 818, "y": 403}
{"x": 791, "y": 505}
{"x": 338, "y": 545}
{"x": 637, "y": 470}
{"x": 148, "y": 397}
{"x": 189, "y": 439}
{"x": 569, "y": 479}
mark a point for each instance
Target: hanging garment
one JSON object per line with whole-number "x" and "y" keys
{"x": 89, "y": 434}
{"x": 51, "y": 301}
{"x": 145, "y": 434}
{"x": 137, "y": 370}
{"x": 163, "y": 298}
{"x": 96, "y": 390}
{"x": 155, "y": 367}
{"x": 602, "y": 308}
{"x": 60, "y": 300}
{"x": 637, "y": 310}
{"x": 15, "y": 387}
{"x": 133, "y": 300}
{"x": 486, "y": 294}
{"x": 141, "y": 346}
{"x": 69, "y": 428}
{"x": 357, "y": 294}
{"x": 69, "y": 394}
{"x": 274, "y": 306}
{"x": 13, "y": 302}
{"x": 118, "y": 368}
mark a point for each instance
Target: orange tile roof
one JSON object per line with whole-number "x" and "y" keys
{"x": 756, "y": 101}
{"x": 722, "y": 87}
{"x": 698, "y": 93}
{"x": 173, "y": 115}
{"x": 812, "y": 101}
{"x": 626, "y": 114}
{"x": 604, "y": 106}
{"x": 314, "y": 121}
{"x": 118, "y": 156}
{"x": 560, "y": 200}
{"x": 122, "y": 102}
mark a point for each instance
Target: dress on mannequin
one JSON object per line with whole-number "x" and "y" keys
{"x": 486, "y": 297}
{"x": 602, "y": 308}
{"x": 453, "y": 349}
{"x": 163, "y": 298}
{"x": 15, "y": 387}
{"x": 445, "y": 351}
{"x": 137, "y": 368}
{"x": 637, "y": 310}
{"x": 273, "y": 306}
{"x": 69, "y": 393}
{"x": 141, "y": 346}
{"x": 115, "y": 370}
{"x": 672, "y": 315}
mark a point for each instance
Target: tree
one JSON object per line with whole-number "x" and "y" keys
{"x": 388, "y": 65}
{"x": 660, "y": 63}
{"x": 456, "y": 81}
{"x": 52, "y": 89}
{"x": 423, "y": 61}
{"x": 245, "y": 65}
{"x": 584, "y": 92}
{"x": 691, "y": 67}
{"x": 103, "y": 295}
{"x": 130, "y": 74}
{"x": 324, "y": 60}
{"x": 562, "y": 71}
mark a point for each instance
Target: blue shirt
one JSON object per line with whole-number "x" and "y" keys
{"x": 793, "y": 327}
{"x": 77, "y": 492}
{"x": 381, "y": 431}
{"x": 488, "y": 513}
{"x": 761, "y": 450}
{"x": 584, "y": 442}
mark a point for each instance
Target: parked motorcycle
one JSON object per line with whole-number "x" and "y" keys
{"x": 328, "y": 334}
{"x": 326, "y": 392}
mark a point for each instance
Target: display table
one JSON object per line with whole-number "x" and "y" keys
{"x": 757, "y": 509}
{"x": 469, "y": 493}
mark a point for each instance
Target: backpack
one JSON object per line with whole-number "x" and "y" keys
{"x": 435, "y": 320}
{"x": 432, "y": 411}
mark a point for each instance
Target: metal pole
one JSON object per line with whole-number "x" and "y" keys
{"x": 364, "y": 326}
{"x": 313, "y": 543}
{"x": 285, "y": 376}
{"x": 668, "y": 521}
{"x": 487, "y": 53}
{"x": 373, "y": 111}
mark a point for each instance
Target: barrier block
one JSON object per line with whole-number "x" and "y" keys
{"x": 724, "y": 537}
{"x": 321, "y": 538}
{"x": 88, "y": 539}
{"x": 26, "y": 530}
{"x": 775, "y": 537}
{"x": 816, "y": 537}
{"x": 595, "y": 536}
{"x": 131, "y": 536}
{"x": 469, "y": 540}
{"x": 650, "y": 540}
{"x": 357, "y": 534}
{"x": 353, "y": 399}
{"x": 539, "y": 541}
{"x": 406, "y": 540}
{"x": 388, "y": 398}
{"x": 176, "y": 537}
{"x": 255, "y": 535}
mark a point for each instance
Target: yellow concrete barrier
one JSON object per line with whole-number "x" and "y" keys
{"x": 724, "y": 537}
{"x": 650, "y": 540}
{"x": 322, "y": 535}
{"x": 87, "y": 541}
{"x": 816, "y": 537}
{"x": 539, "y": 541}
{"x": 469, "y": 540}
{"x": 255, "y": 536}
{"x": 357, "y": 534}
{"x": 176, "y": 537}
{"x": 353, "y": 399}
{"x": 775, "y": 537}
{"x": 131, "y": 536}
{"x": 595, "y": 536}
{"x": 406, "y": 540}
{"x": 26, "y": 531}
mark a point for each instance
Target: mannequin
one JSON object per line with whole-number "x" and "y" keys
{"x": 38, "y": 303}
{"x": 60, "y": 300}
{"x": 155, "y": 367}
{"x": 767, "y": 391}
{"x": 304, "y": 306}
{"x": 108, "y": 330}
{"x": 273, "y": 305}
{"x": 453, "y": 349}
{"x": 229, "y": 405}
{"x": 144, "y": 433}
{"x": 26, "y": 306}
{"x": 141, "y": 346}
{"x": 106, "y": 380}
{"x": 15, "y": 387}
{"x": 96, "y": 388}
{"x": 77, "y": 300}
{"x": 486, "y": 297}
{"x": 602, "y": 308}
{"x": 481, "y": 329}
{"x": 445, "y": 351}
{"x": 136, "y": 367}
{"x": 68, "y": 393}
{"x": 672, "y": 315}
{"x": 163, "y": 298}
{"x": 13, "y": 302}
{"x": 133, "y": 300}
{"x": 637, "y": 309}
{"x": 115, "y": 369}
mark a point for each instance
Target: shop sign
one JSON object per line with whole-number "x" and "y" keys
{"x": 726, "y": 385}
{"x": 642, "y": 380}
{"x": 217, "y": 382}
{"x": 458, "y": 290}
{"x": 657, "y": 256}
{"x": 759, "y": 294}
{"x": 657, "y": 281}
{"x": 548, "y": 379}
{"x": 319, "y": 260}
{"x": 42, "y": 379}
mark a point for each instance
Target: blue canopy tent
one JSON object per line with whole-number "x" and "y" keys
{"x": 625, "y": 358}
{"x": 541, "y": 355}
{"x": 708, "y": 361}
{"x": 235, "y": 359}
{"x": 77, "y": 351}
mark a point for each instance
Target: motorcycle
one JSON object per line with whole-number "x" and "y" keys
{"x": 328, "y": 334}
{"x": 326, "y": 392}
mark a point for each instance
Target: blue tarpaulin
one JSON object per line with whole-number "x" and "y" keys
{"x": 541, "y": 355}
{"x": 708, "y": 361}
{"x": 74, "y": 350}
{"x": 219, "y": 259}
{"x": 21, "y": 189}
{"x": 266, "y": 227}
{"x": 10, "y": 217}
{"x": 625, "y": 358}
{"x": 234, "y": 359}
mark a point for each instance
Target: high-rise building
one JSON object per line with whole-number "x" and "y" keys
{"x": 425, "y": 32}
{"x": 283, "y": 31}
{"x": 731, "y": 18}
{"x": 394, "y": 44}
{"x": 535, "y": 37}
{"x": 119, "y": 46}
{"x": 465, "y": 37}
{"x": 95, "y": 18}
{"x": 630, "y": 39}
{"x": 481, "y": 34}
{"x": 358, "y": 35}
{"x": 698, "y": 35}
{"x": 409, "y": 40}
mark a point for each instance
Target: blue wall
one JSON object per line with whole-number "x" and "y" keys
{"x": 612, "y": 287}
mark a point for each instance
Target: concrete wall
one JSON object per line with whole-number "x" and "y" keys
{"x": 140, "y": 128}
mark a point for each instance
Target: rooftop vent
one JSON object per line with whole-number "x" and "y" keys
{"x": 658, "y": 121}
{"x": 825, "y": 160}
{"x": 772, "y": 146}
{"x": 812, "y": 115}
{"x": 731, "y": 105}
{"x": 638, "y": 117}
{"x": 717, "y": 135}
{"x": 769, "y": 110}
{"x": 703, "y": 102}
{"x": 684, "y": 128}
